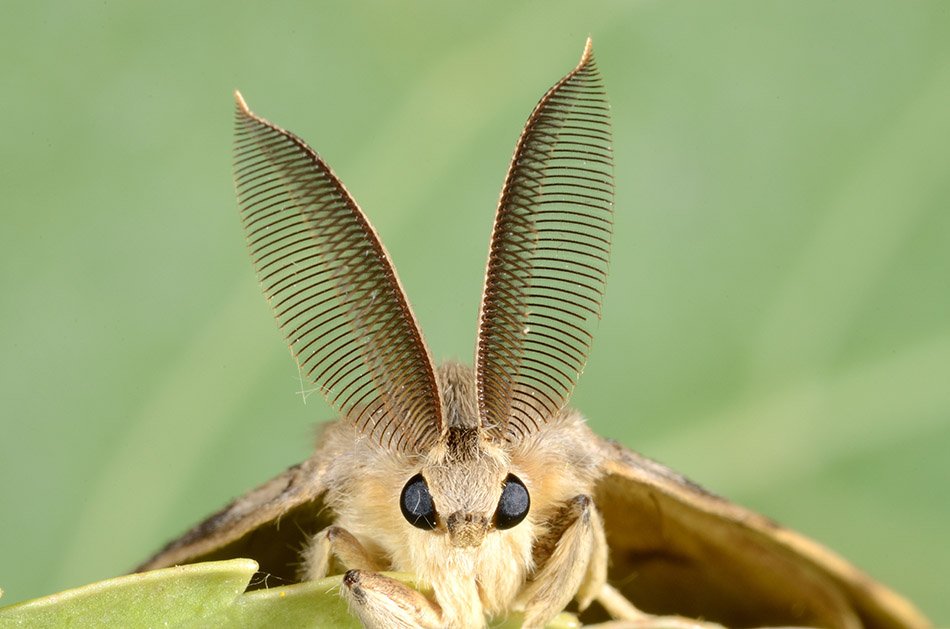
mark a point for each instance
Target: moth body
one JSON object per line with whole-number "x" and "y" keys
{"x": 481, "y": 480}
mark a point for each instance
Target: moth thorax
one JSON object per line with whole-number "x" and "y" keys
{"x": 461, "y": 444}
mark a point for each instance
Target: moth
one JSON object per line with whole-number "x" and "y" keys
{"x": 481, "y": 480}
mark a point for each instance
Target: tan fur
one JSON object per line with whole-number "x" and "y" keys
{"x": 486, "y": 572}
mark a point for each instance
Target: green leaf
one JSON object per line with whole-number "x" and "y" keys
{"x": 210, "y": 594}
{"x": 201, "y": 595}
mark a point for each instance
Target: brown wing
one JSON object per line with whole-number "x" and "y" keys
{"x": 548, "y": 259}
{"x": 677, "y": 549}
{"x": 269, "y": 524}
{"x": 333, "y": 288}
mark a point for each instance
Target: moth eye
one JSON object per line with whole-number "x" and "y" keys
{"x": 416, "y": 503}
{"x": 513, "y": 505}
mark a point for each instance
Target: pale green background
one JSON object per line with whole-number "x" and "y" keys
{"x": 777, "y": 323}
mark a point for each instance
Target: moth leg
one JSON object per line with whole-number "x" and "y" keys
{"x": 381, "y": 603}
{"x": 595, "y": 579}
{"x": 629, "y": 617}
{"x": 377, "y": 600}
{"x": 572, "y": 552}
{"x": 618, "y": 606}
{"x": 334, "y": 541}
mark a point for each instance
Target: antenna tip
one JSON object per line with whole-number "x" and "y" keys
{"x": 240, "y": 101}
{"x": 588, "y": 54}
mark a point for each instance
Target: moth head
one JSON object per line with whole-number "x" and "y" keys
{"x": 466, "y": 488}
{"x": 468, "y": 525}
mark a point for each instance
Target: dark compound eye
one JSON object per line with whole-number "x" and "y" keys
{"x": 514, "y": 503}
{"x": 416, "y": 503}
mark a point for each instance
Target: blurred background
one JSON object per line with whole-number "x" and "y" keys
{"x": 777, "y": 324}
